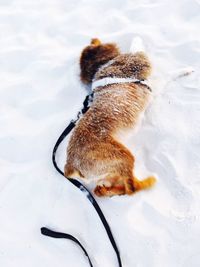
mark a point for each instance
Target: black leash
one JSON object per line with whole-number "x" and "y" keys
{"x": 48, "y": 232}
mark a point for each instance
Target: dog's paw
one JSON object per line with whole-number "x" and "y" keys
{"x": 100, "y": 191}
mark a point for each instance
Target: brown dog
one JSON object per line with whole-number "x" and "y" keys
{"x": 119, "y": 97}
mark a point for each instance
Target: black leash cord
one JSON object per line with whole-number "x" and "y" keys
{"x": 81, "y": 187}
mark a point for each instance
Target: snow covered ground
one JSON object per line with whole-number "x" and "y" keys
{"x": 40, "y": 92}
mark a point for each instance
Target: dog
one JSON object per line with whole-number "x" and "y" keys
{"x": 121, "y": 94}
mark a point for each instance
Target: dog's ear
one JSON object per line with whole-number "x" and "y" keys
{"x": 94, "y": 56}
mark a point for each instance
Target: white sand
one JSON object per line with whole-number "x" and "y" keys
{"x": 40, "y": 92}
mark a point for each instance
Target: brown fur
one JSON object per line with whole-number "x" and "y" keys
{"x": 93, "y": 150}
{"x": 95, "y": 55}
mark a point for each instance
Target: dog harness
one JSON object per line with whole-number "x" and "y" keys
{"x": 115, "y": 80}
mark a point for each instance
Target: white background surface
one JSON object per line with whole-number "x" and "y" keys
{"x": 40, "y": 92}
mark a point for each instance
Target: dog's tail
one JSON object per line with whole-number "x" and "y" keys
{"x": 134, "y": 185}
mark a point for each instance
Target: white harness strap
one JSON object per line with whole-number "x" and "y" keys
{"x": 113, "y": 80}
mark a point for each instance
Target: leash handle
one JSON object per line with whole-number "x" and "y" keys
{"x": 81, "y": 187}
{"x": 50, "y": 233}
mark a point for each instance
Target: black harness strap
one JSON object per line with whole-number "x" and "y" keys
{"x": 89, "y": 196}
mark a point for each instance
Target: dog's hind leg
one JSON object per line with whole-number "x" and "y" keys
{"x": 110, "y": 186}
{"x": 122, "y": 186}
{"x": 120, "y": 179}
{"x": 71, "y": 172}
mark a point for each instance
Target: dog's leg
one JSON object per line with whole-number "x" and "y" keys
{"x": 71, "y": 172}
{"x": 181, "y": 73}
{"x": 120, "y": 179}
{"x": 122, "y": 186}
{"x": 110, "y": 186}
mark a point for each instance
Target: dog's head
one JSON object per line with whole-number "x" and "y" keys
{"x": 94, "y": 56}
